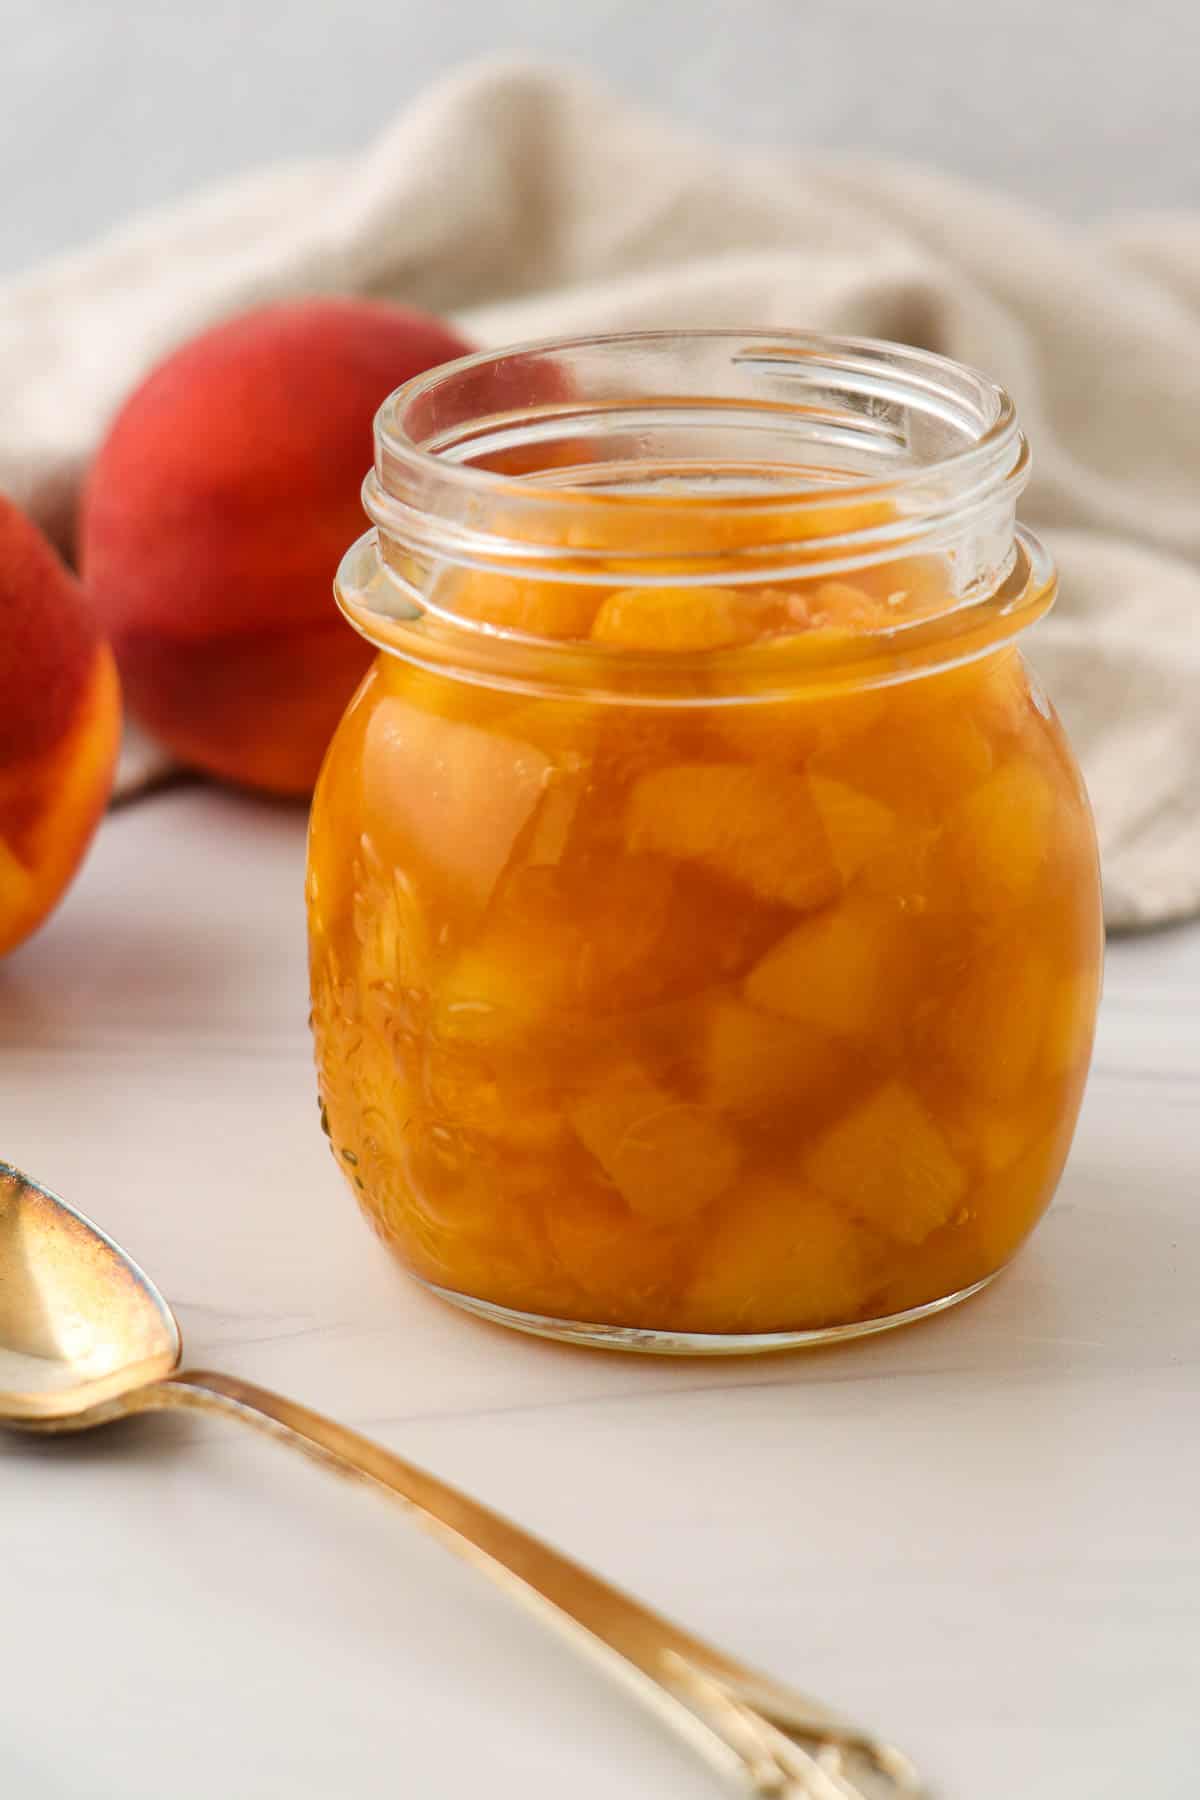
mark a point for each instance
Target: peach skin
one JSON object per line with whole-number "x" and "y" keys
{"x": 60, "y": 721}
{"x": 214, "y": 517}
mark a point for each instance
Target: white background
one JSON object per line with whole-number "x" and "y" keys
{"x": 106, "y": 106}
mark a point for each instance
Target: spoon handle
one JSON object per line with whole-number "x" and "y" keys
{"x": 753, "y": 1730}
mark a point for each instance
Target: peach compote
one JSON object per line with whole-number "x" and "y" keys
{"x": 760, "y": 1009}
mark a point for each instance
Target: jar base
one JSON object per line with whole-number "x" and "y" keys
{"x": 641, "y": 1341}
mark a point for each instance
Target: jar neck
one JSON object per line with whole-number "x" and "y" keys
{"x": 691, "y": 460}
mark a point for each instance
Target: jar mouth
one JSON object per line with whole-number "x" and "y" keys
{"x": 614, "y": 434}
{"x": 692, "y": 459}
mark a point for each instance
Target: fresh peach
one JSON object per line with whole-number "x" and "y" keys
{"x": 214, "y": 517}
{"x": 60, "y": 716}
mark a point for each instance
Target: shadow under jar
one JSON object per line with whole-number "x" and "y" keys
{"x": 704, "y": 903}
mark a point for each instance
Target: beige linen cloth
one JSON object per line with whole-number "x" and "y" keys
{"x": 523, "y": 201}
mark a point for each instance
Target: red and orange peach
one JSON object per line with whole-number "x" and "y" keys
{"x": 60, "y": 716}
{"x": 214, "y": 517}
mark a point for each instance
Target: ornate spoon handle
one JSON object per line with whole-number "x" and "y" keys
{"x": 752, "y": 1729}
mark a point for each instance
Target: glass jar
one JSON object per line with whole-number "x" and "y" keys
{"x": 704, "y": 904}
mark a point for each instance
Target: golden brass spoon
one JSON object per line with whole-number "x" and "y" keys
{"x": 86, "y": 1338}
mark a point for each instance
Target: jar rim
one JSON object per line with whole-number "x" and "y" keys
{"x": 377, "y": 603}
{"x": 875, "y": 450}
{"x": 998, "y": 440}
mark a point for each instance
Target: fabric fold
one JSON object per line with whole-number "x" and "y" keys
{"x": 524, "y": 201}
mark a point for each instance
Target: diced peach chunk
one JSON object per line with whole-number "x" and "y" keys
{"x": 489, "y": 997}
{"x": 391, "y": 931}
{"x": 614, "y": 1261}
{"x": 911, "y": 587}
{"x": 473, "y": 1223}
{"x": 840, "y": 606}
{"x": 833, "y": 970}
{"x": 758, "y": 828}
{"x": 992, "y": 1024}
{"x": 464, "y": 702}
{"x": 993, "y": 691}
{"x": 677, "y": 618}
{"x": 689, "y": 526}
{"x": 887, "y": 1162}
{"x": 551, "y": 947}
{"x": 447, "y": 800}
{"x": 918, "y": 758}
{"x": 1000, "y": 835}
{"x": 1008, "y": 1206}
{"x": 668, "y": 1158}
{"x": 831, "y": 514}
{"x": 858, "y": 827}
{"x": 567, "y": 729}
{"x": 548, "y": 609}
{"x": 631, "y": 740}
{"x": 1001, "y": 1139}
{"x": 507, "y": 1103}
{"x": 781, "y": 1258}
{"x": 989, "y": 1135}
{"x": 947, "y": 1262}
{"x": 566, "y": 789}
{"x": 805, "y": 724}
{"x": 753, "y": 1061}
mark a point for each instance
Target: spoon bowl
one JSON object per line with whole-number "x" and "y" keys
{"x": 85, "y": 1337}
{"x": 80, "y": 1324}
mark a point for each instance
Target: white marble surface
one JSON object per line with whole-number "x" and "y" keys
{"x": 980, "y": 1534}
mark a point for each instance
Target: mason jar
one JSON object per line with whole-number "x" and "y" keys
{"x": 704, "y": 902}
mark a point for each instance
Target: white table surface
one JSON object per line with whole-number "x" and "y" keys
{"x": 980, "y": 1535}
